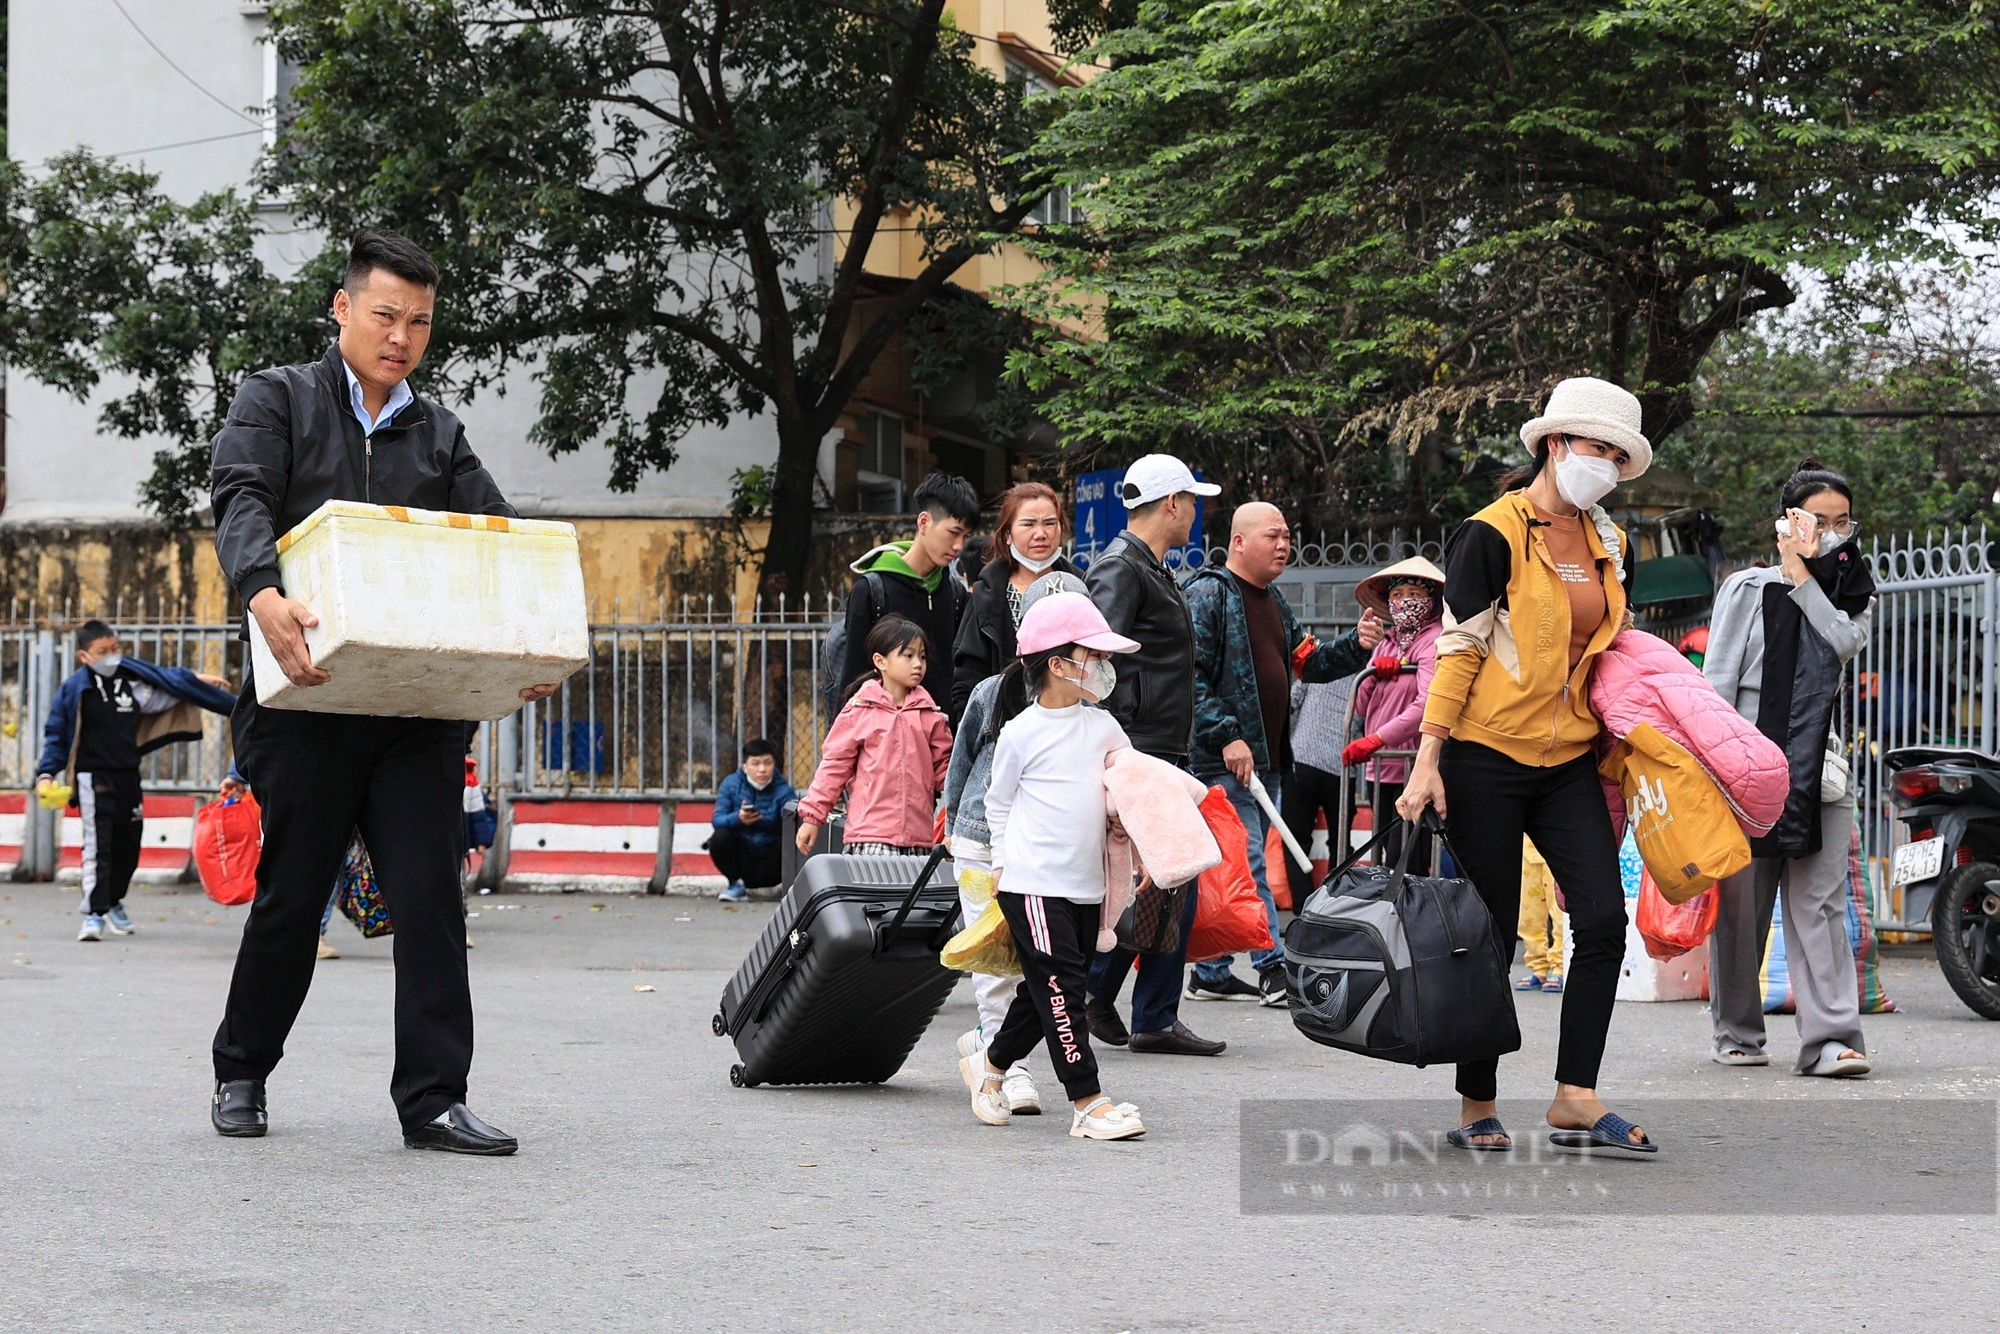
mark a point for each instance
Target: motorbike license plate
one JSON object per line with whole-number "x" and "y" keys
{"x": 1917, "y": 861}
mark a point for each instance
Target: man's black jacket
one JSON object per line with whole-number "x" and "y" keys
{"x": 1154, "y": 701}
{"x": 292, "y": 443}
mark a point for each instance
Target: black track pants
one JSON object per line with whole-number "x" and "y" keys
{"x": 1054, "y": 938}
{"x": 114, "y": 822}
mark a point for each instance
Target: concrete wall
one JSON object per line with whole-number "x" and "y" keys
{"x": 632, "y": 567}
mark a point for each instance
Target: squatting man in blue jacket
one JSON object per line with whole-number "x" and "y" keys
{"x": 111, "y": 712}
{"x": 748, "y": 810}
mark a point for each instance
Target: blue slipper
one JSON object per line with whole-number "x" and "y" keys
{"x": 1612, "y": 1132}
{"x": 1529, "y": 983}
{"x": 1486, "y": 1125}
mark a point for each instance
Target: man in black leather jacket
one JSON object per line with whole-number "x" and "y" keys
{"x": 349, "y": 428}
{"x": 1154, "y": 702}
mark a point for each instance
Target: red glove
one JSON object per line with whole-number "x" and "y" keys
{"x": 1387, "y": 666}
{"x": 1357, "y": 751}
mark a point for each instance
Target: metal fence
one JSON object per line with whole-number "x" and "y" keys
{"x": 671, "y": 693}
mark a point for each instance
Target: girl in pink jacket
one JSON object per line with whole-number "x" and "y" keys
{"x": 889, "y": 749}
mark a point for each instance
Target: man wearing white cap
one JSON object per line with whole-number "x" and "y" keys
{"x": 1154, "y": 703}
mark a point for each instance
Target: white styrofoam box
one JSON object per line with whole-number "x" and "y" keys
{"x": 428, "y": 615}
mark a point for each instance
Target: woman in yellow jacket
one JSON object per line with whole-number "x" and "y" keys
{"x": 1533, "y": 593}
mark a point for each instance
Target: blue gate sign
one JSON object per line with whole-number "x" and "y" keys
{"x": 1100, "y": 516}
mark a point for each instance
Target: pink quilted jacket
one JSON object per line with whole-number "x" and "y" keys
{"x": 1639, "y": 678}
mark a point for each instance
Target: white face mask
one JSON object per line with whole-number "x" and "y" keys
{"x": 106, "y": 665}
{"x": 1583, "y": 479}
{"x": 754, "y": 783}
{"x": 1099, "y": 679}
{"x": 1030, "y": 564}
{"x": 1829, "y": 542}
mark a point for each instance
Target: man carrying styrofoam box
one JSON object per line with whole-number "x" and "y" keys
{"x": 348, "y": 428}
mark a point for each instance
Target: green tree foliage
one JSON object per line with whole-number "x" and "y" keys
{"x": 108, "y": 277}
{"x": 1919, "y": 341}
{"x": 666, "y": 209}
{"x": 1316, "y": 230}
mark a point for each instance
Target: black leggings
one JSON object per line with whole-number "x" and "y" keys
{"x": 1309, "y": 791}
{"x": 1493, "y": 800}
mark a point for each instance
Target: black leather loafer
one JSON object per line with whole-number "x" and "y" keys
{"x": 459, "y": 1131}
{"x": 238, "y": 1108}
{"x": 1177, "y": 1041}
{"x": 1105, "y": 1025}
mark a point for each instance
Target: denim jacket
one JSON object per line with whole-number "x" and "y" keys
{"x": 971, "y": 769}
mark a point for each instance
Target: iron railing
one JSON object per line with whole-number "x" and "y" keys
{"x": 672, "y": 691}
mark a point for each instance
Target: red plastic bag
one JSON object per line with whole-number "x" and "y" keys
{"x": 1672, "y": 929}
{"x": 228, "y": 837}
{"x": 1278, "y": 869}
{"x": 1229, "y": 916}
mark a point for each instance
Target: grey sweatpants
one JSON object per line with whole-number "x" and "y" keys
{"x": 1818, "y": 958}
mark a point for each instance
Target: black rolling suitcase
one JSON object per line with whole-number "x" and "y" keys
{"x": 846, "y": 977}
{"x": 829, "y": 840}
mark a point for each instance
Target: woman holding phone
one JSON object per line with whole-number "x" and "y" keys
{"x": 1779, "y": 642}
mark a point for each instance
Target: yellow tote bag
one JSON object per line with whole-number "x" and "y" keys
{"x": 1687, "y": 835}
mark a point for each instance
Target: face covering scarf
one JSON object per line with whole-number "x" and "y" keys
{"x": 1411, "y": 614}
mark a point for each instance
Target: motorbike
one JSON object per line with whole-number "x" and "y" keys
{"x": 1950, "y": 801}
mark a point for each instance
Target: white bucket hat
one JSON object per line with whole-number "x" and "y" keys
{"x": 1594, "y": 410}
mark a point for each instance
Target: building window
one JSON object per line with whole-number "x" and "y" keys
{"x": 1057, "y": 206}
{"x": 281, "y": 80}
{"x": 883, "y": 463}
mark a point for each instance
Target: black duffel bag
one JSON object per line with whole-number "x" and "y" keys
{"x": 1399, "y": 967}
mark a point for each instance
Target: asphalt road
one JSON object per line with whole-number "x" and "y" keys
{"x": 650, "y": 1195}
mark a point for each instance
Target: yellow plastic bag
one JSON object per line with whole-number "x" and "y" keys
{"x": 987, "y": 946}
{"x": 1686, "y": 833}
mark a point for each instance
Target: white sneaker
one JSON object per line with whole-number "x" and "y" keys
{"x": 93, "y": 927}
{"x": 971, "y": 1043}
{"x": 1105, "y": 1120}
{"x": 119, "y": 920}
{"x": 989, "y": 1104}
{"x": 1019, "y": 1090}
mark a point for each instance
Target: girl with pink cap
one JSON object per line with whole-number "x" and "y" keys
{"x": 1046, "y": 811}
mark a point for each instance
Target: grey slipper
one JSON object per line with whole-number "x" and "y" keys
{"x": 1737, "y": 1056}
{"x": 1833, "y": 1065}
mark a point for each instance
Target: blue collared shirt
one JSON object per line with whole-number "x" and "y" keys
{"x": 399, "y": 398}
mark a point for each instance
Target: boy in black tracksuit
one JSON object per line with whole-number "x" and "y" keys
{"x": 111, "y": 711}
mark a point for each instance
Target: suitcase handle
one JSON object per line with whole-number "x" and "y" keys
{"x": 895, "y": 927}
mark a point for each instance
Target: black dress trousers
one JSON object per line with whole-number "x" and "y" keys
{"x": 400, "y": 782}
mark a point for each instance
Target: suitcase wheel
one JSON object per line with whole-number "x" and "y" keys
{"x": 736, "y": 1076}
{"x": 718, "y": 1025}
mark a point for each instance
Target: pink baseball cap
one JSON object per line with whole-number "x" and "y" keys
{"x": 1068, "y": 618}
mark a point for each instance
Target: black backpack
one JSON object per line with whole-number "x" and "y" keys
{"x": 833, "y": 656}
{"x": 1399, "y": 967}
